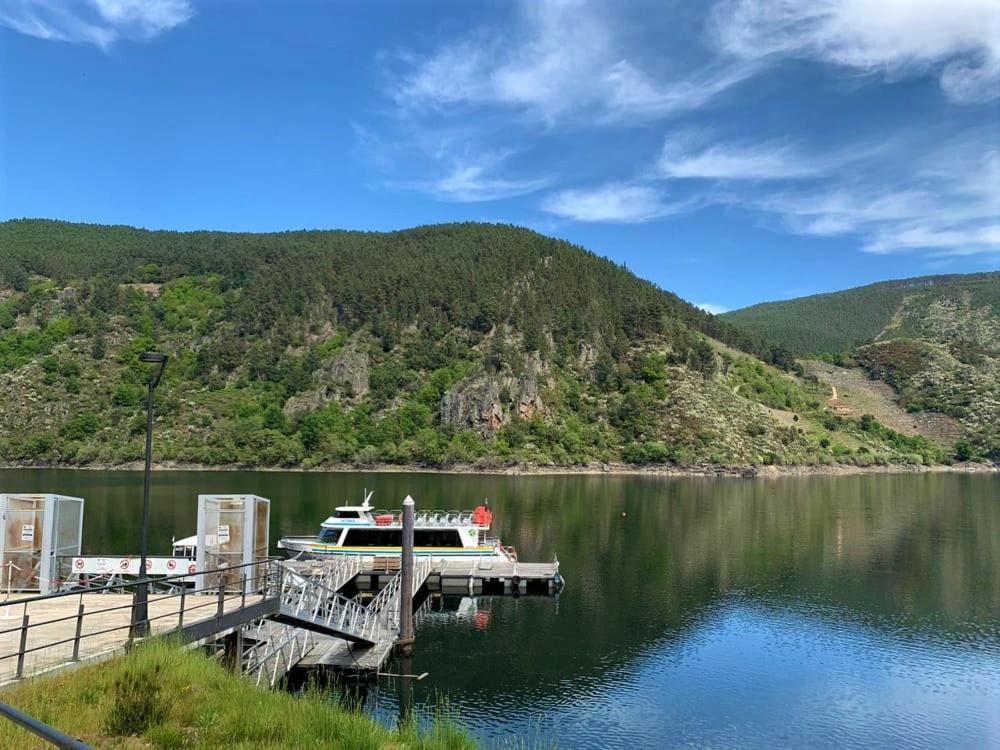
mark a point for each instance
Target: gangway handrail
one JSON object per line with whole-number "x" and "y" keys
{"x": 310, "y": 601}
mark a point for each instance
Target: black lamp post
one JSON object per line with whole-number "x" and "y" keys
{"x": 141, "y": 616}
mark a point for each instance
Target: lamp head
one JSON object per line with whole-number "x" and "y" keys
{"x": 154, "y": 358}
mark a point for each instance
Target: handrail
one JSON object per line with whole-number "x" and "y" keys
{"x": 47, "y": 733}
{"x": 130, "y": 584}
{"x": 434, "y": 517}
{"x": 54, "y": 646}
{"x": 312, "y": 601}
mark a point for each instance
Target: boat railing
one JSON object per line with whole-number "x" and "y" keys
{"x": 430, "y": 517}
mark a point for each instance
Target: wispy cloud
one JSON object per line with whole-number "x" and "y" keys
{"x": 451, "y": 163}
{"x": 614, "y": 202}
{"x": 956, "y": 40}
{"x": 683, "y": 158}
{"x": 903, "y": 197}
{"x": 560, "y": 58}
{"x": 948, "y": 204}
{"x": 475, "y": 178}
{"x": 97, "y": 22}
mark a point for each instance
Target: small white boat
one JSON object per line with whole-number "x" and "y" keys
{"x": 362, "y": 530}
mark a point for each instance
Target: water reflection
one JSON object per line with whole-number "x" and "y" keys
{"x": 849, "y": 611}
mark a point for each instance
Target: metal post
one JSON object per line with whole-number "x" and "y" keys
{"x": 405, "y": 641}
{"x": 180, "y": 615}
{"x": 23, "y": 646}
{"x": 222, "y": 597}
{"x": 141, "y": 613}
{"x": 232, "y": 645}
{"x": 141, "y": 604}
{"x": 79, "y": 631}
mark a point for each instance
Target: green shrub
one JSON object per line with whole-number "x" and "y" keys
{"x": 138, "y": 703}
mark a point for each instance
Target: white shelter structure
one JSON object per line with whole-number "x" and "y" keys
{"x": 37, "y": 529}
{"x": 233, "y": 532}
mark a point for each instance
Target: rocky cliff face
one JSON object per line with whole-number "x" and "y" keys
{"x": 485, "y": 403}
{"x": 345, "y": 375}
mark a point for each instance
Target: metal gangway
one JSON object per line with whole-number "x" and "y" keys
{"x": 309, "y": 603}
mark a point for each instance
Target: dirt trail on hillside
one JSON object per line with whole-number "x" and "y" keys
{"x": 852, "y": 387}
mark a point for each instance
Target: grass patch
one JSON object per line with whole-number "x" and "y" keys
{"x": 163, "y": 696}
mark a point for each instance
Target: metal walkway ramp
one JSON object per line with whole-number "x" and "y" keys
{"x": 341, "y": 654}
{"x": 309, "y": 603}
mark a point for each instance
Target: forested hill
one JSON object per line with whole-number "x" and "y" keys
{"x": 839, "y": 321}
{"x": 463, "y": 343}
{"x": 460, "y": 274}
{"x": 935, "y": 340}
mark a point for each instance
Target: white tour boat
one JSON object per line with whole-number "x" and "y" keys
{"x": 362, "y": 530}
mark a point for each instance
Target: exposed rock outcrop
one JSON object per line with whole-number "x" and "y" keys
{"x": 485, "y": 403}
{"x": 345, "y": 375}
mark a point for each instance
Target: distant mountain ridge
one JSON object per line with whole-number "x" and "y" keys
{"x": 836, "y": 322}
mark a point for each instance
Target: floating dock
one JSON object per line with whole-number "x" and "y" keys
{"x": 266, "y": 615}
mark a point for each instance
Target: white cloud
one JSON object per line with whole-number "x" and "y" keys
{"x": 560, "y": 57}
{"x": 947, "y": 204}
{"x": 957, "y": 40}
{"x": 470, "y": 182}
{"x": 451, "y": 166}
{"x": 710, "y": 308}
{"x": 613, "y": 202}
{"x": 97, "y": 22}
{"x": 765, "y": 161}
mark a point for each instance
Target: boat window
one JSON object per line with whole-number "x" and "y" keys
{"x": 373, "y": 538}
{"x": 346, "y": 514}
{"x": 436, "y": 538}
{"x": 329, "y": 536}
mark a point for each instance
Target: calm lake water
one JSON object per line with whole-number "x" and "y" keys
{"x": 820, "y": 612}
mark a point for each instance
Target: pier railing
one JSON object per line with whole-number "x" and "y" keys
{"x": 386, "y": 603}
{"x": 40, "y": 633}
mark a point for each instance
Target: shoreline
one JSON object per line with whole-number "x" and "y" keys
{"x": 528, "y": 470}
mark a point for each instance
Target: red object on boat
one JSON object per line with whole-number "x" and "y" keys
{"x": 383, "y": 520}
{"x": 482, "y": 516}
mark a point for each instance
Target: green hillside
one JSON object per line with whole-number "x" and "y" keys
{"x": 840, "y": 321}
{"x": 934, "y": 339}
{"x": 456, "y": 344}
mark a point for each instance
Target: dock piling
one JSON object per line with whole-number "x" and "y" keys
{"x": 405, "y": 642}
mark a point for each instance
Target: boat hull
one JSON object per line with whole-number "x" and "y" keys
{"x": 313, "y": 549}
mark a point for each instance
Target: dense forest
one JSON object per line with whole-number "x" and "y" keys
{"x": 841, "y": 321}
{"x": 471, "y": 344}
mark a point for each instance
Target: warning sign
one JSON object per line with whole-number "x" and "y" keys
{"x": 223, "y": 536}
{"x": 28, "y": 532}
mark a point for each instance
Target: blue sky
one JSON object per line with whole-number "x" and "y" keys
{"x": 731, "y": 151}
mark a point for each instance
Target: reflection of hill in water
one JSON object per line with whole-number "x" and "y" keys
{"x": 908, "y": 556}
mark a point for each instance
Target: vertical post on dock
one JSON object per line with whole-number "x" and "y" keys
{"x": 405, "y": 641}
